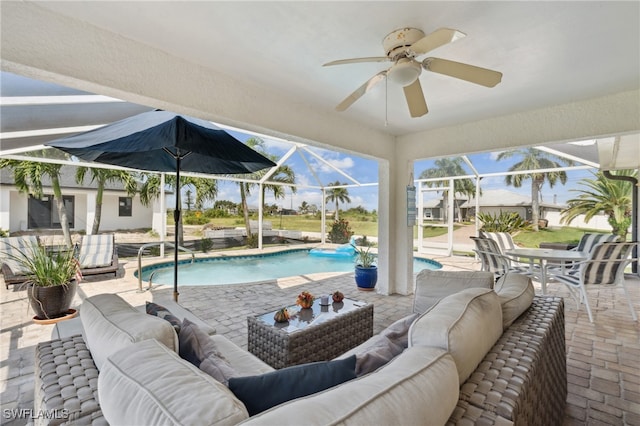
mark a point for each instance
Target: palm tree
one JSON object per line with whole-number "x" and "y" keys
{"x": 206, "y": 190}
{"x": 28, "y": 175}
{"x": 449, "y": 167}
{"x": 338, "y": 195}
{"x": 283, "y": 174}
{"x": 102, "y": 177}
{"x": 533, "y": 159}
{"x": 304, "y": 207}
{"x": 613, "y": 197}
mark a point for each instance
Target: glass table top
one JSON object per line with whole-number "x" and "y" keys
{"x": 317, "y": 314}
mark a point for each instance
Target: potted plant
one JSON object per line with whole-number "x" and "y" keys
{"x": 366, "y": 272}
{"x": 52, "y": 280}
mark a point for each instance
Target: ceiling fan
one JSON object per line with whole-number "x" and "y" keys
{"x": 402, "y": 47}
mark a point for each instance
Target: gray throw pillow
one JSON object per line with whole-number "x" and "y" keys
{"x": 162, "y": 312}
{"x": 391, "y": 342}
{"x": 198, "y": 348}
{"x": 259, "y": 393}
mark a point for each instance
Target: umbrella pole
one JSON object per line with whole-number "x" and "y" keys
{"x": 176, "y": 219}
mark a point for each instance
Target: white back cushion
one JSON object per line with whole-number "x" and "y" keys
{"x": 109, "y": 324}
{"x": 516, "y": 294}
{"x": 466, "y": 324}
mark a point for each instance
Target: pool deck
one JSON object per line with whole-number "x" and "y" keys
{"x": 603, "y": 359}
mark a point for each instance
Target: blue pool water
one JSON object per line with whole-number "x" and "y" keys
{"x": 244, "y": 269}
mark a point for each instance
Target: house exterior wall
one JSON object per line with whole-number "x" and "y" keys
{"x": 141, "y": 216}
{"x": 14, "y": 211}
{"x": 598, "y": 222}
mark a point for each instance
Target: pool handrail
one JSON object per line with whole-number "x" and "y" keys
{"x": 157, "y": 243}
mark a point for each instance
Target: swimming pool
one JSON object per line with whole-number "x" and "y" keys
{"x": 261, "y": 267}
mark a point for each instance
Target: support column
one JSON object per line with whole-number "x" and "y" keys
{"x": 91, "y": 213}
{"x": 5, "y": 209}
{"x": 395, "y": 237}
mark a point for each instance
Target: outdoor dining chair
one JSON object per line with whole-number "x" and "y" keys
{"x": 586, "y": 244}
{"x": 605, "y": 267}
{"x": 493, "y": 260}
{"x": 504, "y": 241}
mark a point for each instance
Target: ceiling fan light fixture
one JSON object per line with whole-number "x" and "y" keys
{"x": 404, "y": 72}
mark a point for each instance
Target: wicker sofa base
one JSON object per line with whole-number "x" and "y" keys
{"x": 66, "y": 384}
{"x": 523, "y": 379}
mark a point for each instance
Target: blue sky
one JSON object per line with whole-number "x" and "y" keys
{"x": 366, "y": 171}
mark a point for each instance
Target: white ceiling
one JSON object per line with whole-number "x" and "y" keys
{"x": 550, "y": 53}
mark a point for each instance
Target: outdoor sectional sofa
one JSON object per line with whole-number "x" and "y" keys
{"x": 477, "y": 355}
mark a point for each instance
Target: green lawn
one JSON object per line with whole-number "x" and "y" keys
{"x": 555, "y": 235}
{"x": 304, "y": 223}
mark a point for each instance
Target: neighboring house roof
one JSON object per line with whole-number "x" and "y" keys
{"x": 504, "y": 198}
{"x": 67, "y": 180}
{"x": 432, "y": 203}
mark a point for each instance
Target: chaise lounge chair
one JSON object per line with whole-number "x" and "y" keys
{"x": 10, "y": 249}
{"x": 98, "y": 255}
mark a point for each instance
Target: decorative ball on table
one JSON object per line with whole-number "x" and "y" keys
{"x": 282, "y": 315}
{"x": 337, "y": 296}
{"x": 305, "y": 300}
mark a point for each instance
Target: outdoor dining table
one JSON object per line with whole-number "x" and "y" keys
{"x": 546, "y": 256}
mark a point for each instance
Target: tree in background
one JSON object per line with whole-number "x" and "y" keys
{"x": 28, "y": 175}
{"x": 206, "y": 190}
{"x": 304, "y": 208}
{"x": 603, "y": 195}
{"x": 284, "y": 175}
{"x": 446, "y": 168}
{"x": 531, "y": 160}
{"x": 337, "y": 195}
{"x": 101, "y": 177}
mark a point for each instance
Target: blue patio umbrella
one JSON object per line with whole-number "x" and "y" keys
{"x": 163, "y": 141}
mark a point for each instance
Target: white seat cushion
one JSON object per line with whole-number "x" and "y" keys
{"x": 466, "y": 324}
{"x": 148, "y": 384}
{"x": 420, "y": 386}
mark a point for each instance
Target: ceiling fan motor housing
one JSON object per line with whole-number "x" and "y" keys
{"x": 396, "y": 43}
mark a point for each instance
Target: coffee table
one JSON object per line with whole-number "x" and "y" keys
{"x": 319, "y": 333}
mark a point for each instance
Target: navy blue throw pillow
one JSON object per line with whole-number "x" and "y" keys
{"x": 259, "y": 393}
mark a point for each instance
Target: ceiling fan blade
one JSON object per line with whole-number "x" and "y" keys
{"x": 357, "y": 60}
{"x": 415, "y": 99}
{"x": 357, "y": 94}
{"x": 436, "y": 39}
{"x": 467, "y": 72}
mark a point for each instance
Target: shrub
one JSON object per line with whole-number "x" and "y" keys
{"x": 504, "y": 222}
{"x": 340, "y": 232}
{"x": 194, "y": 218}
{"x": 206, "y": 244}
{"x": 252, "y": 241}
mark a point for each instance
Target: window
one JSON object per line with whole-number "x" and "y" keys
{"x": 43, "y": 212}
{"x": 124, "y": 206}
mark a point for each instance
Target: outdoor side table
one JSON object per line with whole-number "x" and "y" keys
{"x": 319, "y": 333}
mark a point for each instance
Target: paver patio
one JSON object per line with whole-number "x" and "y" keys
{"x": 603, "y": 359}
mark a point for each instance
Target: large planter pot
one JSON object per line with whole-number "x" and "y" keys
{"x": 52, "y": 302}
{"x": 366, "y": 278}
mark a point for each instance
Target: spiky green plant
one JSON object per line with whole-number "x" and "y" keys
{"x": 45, "y": 269}
{"x": 364, "y": 257}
